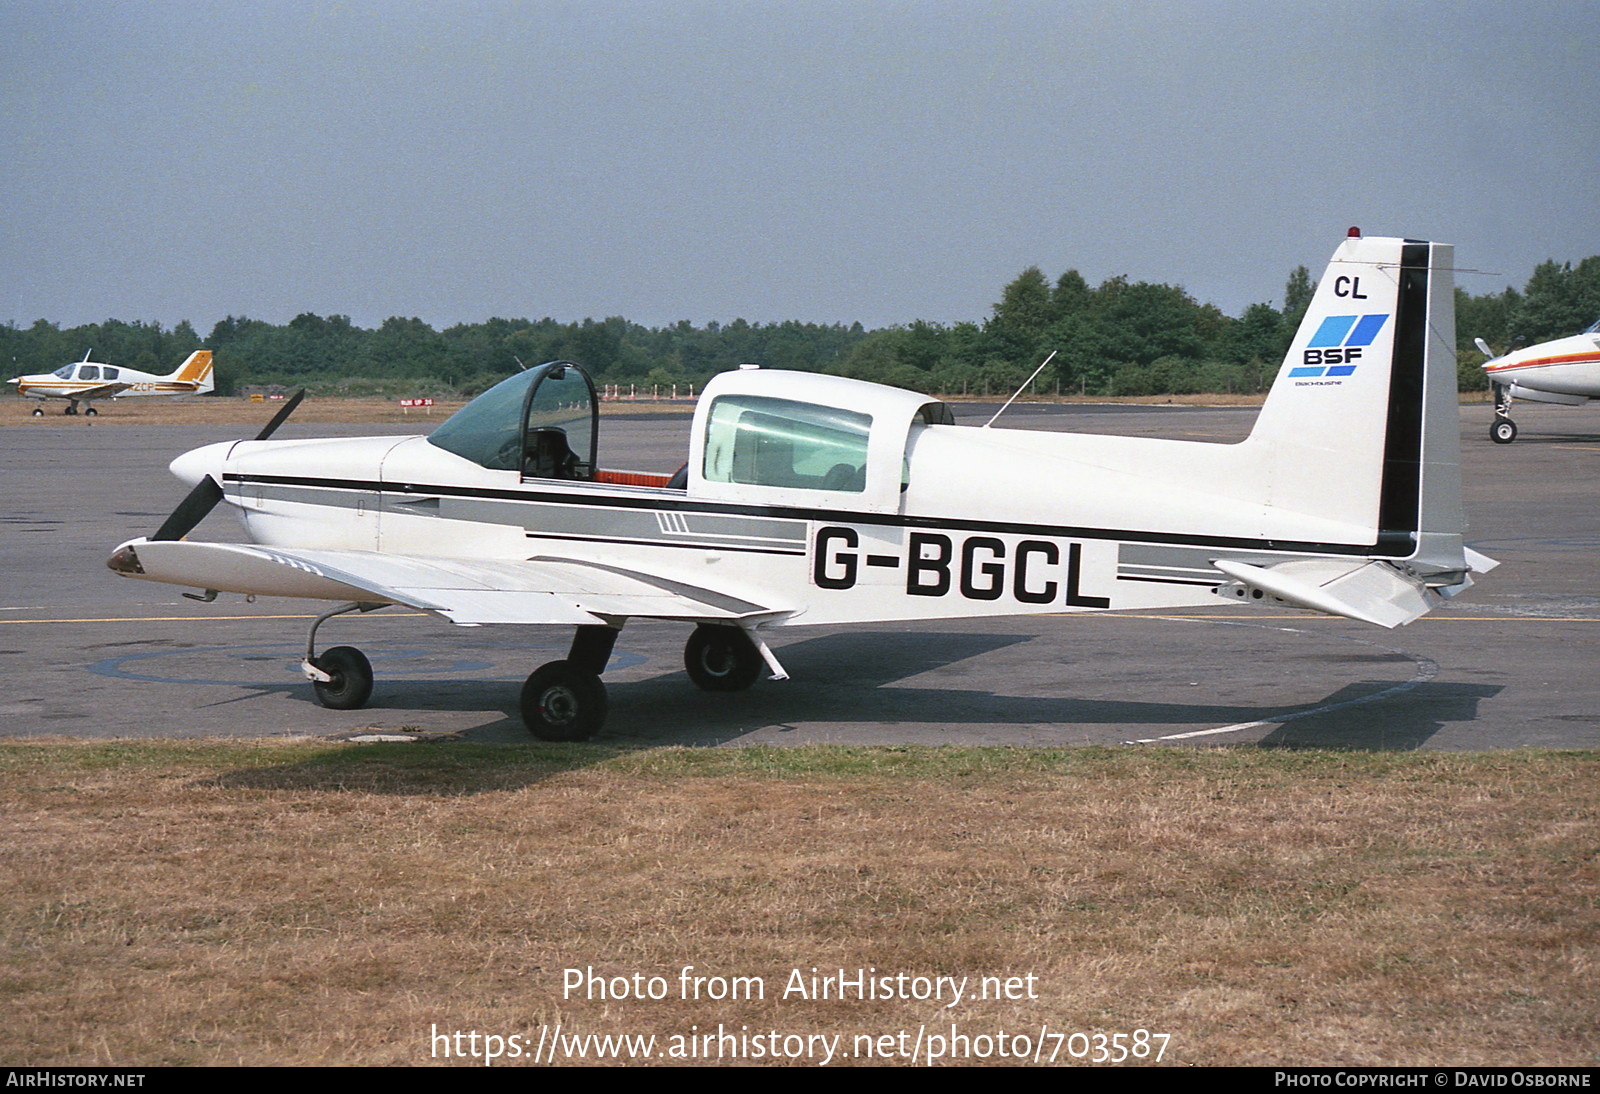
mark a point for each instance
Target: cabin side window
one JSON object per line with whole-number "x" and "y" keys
{"x": 763, "y": 441}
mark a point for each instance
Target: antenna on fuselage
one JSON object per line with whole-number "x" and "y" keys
{"x": 1021, "y": 389}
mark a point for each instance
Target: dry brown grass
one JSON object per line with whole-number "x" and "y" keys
{"x": 267, "y": 903}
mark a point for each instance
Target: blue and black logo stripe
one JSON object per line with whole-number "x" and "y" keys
{"x": 1329, "y": 351}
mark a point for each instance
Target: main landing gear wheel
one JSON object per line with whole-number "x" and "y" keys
{"x": 91, "y": 412}
{"x": 38, "y": 412}
{"x": 721, "y": 658}
{"x": 1503, "y": 431}
{"x": 561, "y": 702}
{"x": 351, "y": 685}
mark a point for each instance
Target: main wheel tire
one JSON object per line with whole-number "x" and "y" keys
{"x": 561, "y": 702}
{"x": 351, "y": 685}
{"x": 721, "y": 658}
{"x": 38, "y": 412}
{"x": 1503, "y": 431}
{"x": 92, "y": 413}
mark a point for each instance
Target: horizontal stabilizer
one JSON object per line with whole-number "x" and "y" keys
{"x": 1371, "y": 592}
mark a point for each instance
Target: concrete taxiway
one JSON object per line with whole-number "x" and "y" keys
{"x": 1510, "y": 664}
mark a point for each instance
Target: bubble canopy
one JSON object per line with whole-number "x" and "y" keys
{"x": 542, "y": 422}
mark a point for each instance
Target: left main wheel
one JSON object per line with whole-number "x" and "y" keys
{"x": 721, "y": 658}
{"x": 561, "y": 702}
{"x": 351, "y": 685}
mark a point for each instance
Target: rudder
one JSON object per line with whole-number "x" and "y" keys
{"x": 1361, "y": 425}
{"x": 196, "y": 370}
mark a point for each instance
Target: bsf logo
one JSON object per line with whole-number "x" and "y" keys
{"x": 1336, "y": 346}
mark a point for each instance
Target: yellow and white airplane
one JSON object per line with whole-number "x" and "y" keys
{"x": 86, "y": 380}
{"x": 1564, "y": 371}
{"x": 821, "y": 500}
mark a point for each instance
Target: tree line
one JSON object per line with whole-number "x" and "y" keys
{"x": 1120, "y": 337}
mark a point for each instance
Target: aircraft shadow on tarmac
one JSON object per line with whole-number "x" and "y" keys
{"x": 857, "y": 677}
{"x": 1531, "y": 436}
{"x": 864, "y": 678}
{"x": 853, "y": 680}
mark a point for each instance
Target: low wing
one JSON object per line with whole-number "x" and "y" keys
{"x": 466, "y": 591}
{"x": 103, "y": 391}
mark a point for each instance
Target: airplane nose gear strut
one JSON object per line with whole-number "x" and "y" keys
{"x": 342, "y": 676}
{"x": 1502, "y": 430}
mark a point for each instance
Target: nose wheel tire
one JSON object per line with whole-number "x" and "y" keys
{"x": 1503, "y": 431}
{"x": 351, "y": 685}
{"x": 721, "y": 659}
{"x": 561, "y": 702}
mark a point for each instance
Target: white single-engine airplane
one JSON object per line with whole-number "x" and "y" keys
{"x": 85, "y": 380}
{"x": 811, "y": 499}
{"x": 1565, "y": 371}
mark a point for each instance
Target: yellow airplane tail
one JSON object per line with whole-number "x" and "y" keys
{"x": 196, "y": 370}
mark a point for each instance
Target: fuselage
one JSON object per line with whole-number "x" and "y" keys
{"x": 1565, "y": 366}
{"x": 927, "y": 519}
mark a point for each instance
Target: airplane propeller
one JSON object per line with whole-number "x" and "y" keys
{"x": 208, "y": 491}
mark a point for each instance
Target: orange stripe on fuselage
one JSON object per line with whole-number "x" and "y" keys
{"x": 1539, "y": 362}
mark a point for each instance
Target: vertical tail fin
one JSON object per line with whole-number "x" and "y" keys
{"x": 196, "y": 370}
{"x": 1362, "y": 424}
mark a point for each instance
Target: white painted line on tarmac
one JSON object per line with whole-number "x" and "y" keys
{"x": 1426, "y": 669}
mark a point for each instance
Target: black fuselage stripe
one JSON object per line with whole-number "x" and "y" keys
{"x": 1398, "y": 546}
{"x": 698, "y": 545}
{"x": 1175, "y": 580}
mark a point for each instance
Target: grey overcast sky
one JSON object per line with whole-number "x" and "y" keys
{"x": 829, "y": 162}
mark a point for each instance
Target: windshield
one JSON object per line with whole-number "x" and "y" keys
{"x": 488, "y": 430}
{"x": 540, "y": 422}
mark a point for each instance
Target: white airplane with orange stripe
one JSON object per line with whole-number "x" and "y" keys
{"x": 820, "y": 500}
{"x": 1564, "y": 371}
{"x": 86, "y": 380}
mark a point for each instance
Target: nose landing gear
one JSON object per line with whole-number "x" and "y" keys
{"x": 1502, "y": 430}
